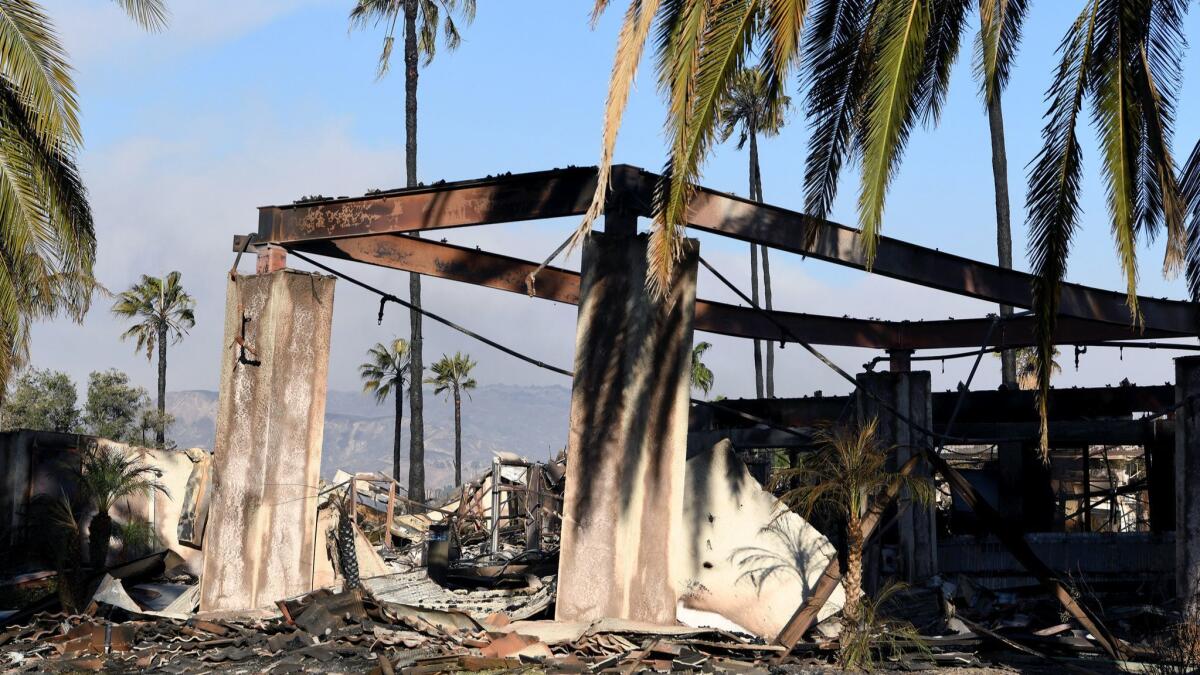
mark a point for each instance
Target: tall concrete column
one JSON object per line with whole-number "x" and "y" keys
{"x": 258, "y": 544}
{"x": 909, "y": 393}
{"x": 1187, "y": 481}
{"x": 623, "y": 510}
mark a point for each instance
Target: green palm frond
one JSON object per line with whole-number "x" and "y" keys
{"x": 890, "y": 107}
{"x": 702, "y": 377}
{"x": 1000, "y": 27}
{"x": 728, "y": 38}
{"x": 432, "y": 17}
{"x": 107, "y": 474}
{"x": 840, "y": 48}
{"x": 149, "y": 14}
{"x": 949, "y": 19}
{"x": 1119, "y": 124}
{"x": 33, "y": 63}
{"x": 1053, "y": 195}
{"x": 1189, "y": 187}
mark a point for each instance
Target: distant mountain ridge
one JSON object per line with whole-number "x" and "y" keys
{"x": 529, "y": 421}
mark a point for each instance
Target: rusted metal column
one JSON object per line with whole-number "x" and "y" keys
{"x": 909, "y": 393}
{"x": 628, "y": 438}
{"x": 1187, "y": 481}
{"x": 258, "y": 544}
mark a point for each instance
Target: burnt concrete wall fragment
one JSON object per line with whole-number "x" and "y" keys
{"x": 258, "y": 543}
{"x": 627, "y": 444}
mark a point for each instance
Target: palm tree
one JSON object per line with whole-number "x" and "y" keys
{"x": 383, "y": 374}
{"x": 107, "y": 474}
{"x": 423, "y": 19}
{"x": 702, "y": 377}
{"x": 162, "y": 311}
{"x": 1027, "y": 367}
{"x": 843, "y": 476}
{"x": 48, "y": 245}
{"x": 749, "y": 111}
{"x": 452, "y": 374}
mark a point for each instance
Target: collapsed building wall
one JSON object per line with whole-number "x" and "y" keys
{"x": 37, "y": 465}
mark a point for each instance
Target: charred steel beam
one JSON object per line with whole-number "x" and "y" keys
{"x": 567, "y": 192}
{"x": 978, "y": 407}
{"x": 780, "y": 228}
{"x": 503, "y": 199}
{"x": 492, "y": 270}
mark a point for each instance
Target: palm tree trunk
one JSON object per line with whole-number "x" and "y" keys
{"x": 457, "y": 438}
{"x": 99, "y": 532}
{"x": 854, "y": 575}
{"x": 758, "y": 360}
{"x": 397, "y": 443}
{"x": 416, "y": 435}
{"x": 757, "y": 195}
{"x": 1008, "y": 358}
{"x": 160, "y": 426}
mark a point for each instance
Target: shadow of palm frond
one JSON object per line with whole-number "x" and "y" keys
{"x": 760, "y": 563}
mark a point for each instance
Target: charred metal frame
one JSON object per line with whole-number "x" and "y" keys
{"x": 369, "y": 228}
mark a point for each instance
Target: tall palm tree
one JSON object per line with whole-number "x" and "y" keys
{"x": 843, "y": 476}
{"x": 107, "y": 474}
{"x": 161, "y": 311}
{"x": 749, "y": 111}
{"x": 47, "y": 239}
{"x": 423, "y": 20}
{"x": 702, "y": 377}
{"x": 383, "y": 374}
{"x": 452, "y": 374}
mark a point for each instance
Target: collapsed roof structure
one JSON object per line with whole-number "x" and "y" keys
{"x": 653, "y": 492}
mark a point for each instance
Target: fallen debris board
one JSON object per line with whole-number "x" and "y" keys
{"x": 746, "y": 557}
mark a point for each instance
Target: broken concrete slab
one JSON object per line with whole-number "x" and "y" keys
{"x": 747, "y": 558}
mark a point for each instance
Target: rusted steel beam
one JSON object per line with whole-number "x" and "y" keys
{"x": 492, "y": 270}
{"x": 725, "y": 214}
{"x": 567, "y": 192}
{"x": 977, "y": 407}
{"x": 503, "y": 199}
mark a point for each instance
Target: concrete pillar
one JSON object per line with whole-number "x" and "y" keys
{"x": 623, "y": 509}
{"x": 1187, "y": 481}
{"x": 258, "y": 545}
{"x": 909, "y": 393}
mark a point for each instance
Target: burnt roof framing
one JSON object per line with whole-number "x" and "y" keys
{"x": 363, "y": 229}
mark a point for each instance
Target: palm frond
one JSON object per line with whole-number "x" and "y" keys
{"x": 33, "y": 60}
{"x": 890, "y": 107}
{"x": 941, "y": 50}
{"x": 1053, "y": 194}
{"x": 149, "y": 14}
{"x": 840, "y": 49}
{"x": 1189, "y": 187}
{"x": 1118, "y": 120}
{"x": 635, "y": 30}
{"x": 727, "y": 40}
{"x": 1001, "y": 22}
{"x": 783, "y": 28}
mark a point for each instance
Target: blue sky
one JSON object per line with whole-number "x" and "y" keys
{"x": 238, "y": 105}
